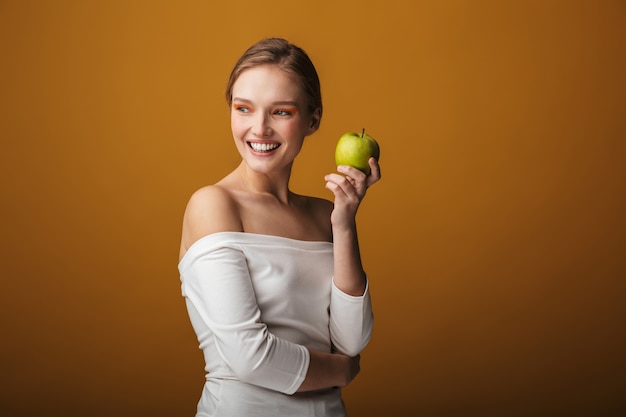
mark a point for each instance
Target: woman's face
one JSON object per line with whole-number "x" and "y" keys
{"x": 269, "y": 118}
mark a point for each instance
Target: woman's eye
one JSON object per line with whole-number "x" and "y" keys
{"x": 241, "y": 108}
{"x": 285, "y": 112}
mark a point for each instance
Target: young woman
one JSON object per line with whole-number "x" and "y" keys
{"x": 273, "y": 280}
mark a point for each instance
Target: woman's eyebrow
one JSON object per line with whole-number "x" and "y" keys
{"x": 292, "y": 103}
{"x": 286, "y": 103}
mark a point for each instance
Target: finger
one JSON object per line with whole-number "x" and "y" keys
{"x": 358, "y": 179}
{"x": 332, "y": 183}
{"x": 375, "y": 174}
{"x": 346, "y": 185}
{"x": 352, "y": 172}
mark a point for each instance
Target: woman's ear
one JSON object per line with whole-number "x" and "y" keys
{"x": 316, "y": 117}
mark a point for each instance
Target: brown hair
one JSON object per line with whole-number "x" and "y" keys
{"x": 290, "y": 58}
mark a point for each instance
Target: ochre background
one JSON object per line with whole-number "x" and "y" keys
{"x": 495, "y": 242}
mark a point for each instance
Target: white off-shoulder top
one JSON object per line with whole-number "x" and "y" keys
{"x": 256, "y": 302}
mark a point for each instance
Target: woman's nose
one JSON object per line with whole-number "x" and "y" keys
{"x": 261, "y": 126}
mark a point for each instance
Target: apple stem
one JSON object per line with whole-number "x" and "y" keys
{"x": 362, "y": 132}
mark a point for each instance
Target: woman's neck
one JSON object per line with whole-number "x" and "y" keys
{"x": 275, "y": 184}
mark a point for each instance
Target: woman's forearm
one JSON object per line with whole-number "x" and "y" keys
{"x": 349, "y": 276}
{"x": 328, "y": 370}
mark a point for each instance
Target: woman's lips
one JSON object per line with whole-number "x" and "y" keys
{"x": 263, "y": 147}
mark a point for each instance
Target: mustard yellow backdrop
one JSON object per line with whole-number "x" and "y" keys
{"x": 495, "y": 243}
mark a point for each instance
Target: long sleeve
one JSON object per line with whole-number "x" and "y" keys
{"x": 351, "y": 321}
{"x": 217, "y": 283}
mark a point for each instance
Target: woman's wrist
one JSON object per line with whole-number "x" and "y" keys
{"x": 328, "y": 370}
{"x": 347, "y": 229}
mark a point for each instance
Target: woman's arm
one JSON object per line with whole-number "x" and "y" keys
{"x": 351, "y": 317}
{"x": 329, "y": 370}
{"x": 349, "y": 190}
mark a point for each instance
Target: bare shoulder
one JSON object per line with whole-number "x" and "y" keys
{"x": 210, "y": 209}
{"x": 320, "y": 210}
{"x": 320, "y": 207}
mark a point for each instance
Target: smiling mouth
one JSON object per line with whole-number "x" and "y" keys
{"x": 263, "y": 147}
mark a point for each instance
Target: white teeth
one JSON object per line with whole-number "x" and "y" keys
{"x": 263, "y": 147}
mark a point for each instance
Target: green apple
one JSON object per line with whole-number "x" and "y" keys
{"x": 355, "y": 149}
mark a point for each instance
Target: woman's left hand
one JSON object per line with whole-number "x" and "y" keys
{"x": 349, "y": 190}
